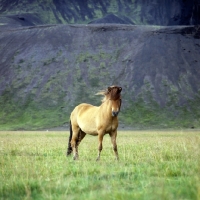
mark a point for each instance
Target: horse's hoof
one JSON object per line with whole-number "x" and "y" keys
{"x": 68, "y": 154}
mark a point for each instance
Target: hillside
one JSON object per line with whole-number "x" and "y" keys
{"x": 57, "y": 54}
{"x": 46, "y": 70}
{"x": 145, "y": 12}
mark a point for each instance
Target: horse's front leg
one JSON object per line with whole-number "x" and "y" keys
{"x": 100, "y": 137}
{"x": 113, "y": 137}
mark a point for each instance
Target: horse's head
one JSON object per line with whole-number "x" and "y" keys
{"x": 114, "y": 95}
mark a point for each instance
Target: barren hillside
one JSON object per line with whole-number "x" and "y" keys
{"x": 47, "y": 70}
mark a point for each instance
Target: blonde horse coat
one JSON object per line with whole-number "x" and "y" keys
{"x": 93, "y": 120}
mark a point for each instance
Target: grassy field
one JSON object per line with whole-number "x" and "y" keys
{"x": 153, "y": 165}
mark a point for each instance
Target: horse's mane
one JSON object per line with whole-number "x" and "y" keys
{"x": 111, "y": 93}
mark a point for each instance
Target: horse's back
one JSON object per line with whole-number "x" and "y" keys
{"x": 84, "y": 108}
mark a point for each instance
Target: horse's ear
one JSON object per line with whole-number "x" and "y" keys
{"x": 120, "y": 89}
{"x": 109, "y": 89}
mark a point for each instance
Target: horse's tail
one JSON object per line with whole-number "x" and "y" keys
{"x": 69, "y": 149}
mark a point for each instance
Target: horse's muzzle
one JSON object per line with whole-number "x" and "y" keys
{"x": 114, "y": 114}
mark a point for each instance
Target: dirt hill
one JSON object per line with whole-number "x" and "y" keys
{"x": 145, "y": 12}
{"x": 47, "y": 70}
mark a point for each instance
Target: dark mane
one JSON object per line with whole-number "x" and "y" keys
{"x": 112, "y": 93}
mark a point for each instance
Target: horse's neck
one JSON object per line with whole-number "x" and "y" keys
{"x": 106, "y": 109}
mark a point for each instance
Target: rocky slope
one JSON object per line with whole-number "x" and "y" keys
{"x": 146, "y": 12}
{"x": 46, "y": 70}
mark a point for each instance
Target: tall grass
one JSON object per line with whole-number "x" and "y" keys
{"x": 153, "y": 165}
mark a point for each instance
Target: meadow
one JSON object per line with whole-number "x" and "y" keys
{"x": 152, "y": 165}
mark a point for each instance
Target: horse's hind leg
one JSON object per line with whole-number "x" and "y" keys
{"x": 74, "y": 141}
{"x": 81, "y": 135}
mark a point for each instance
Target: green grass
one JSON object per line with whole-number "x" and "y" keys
{"x": 153, "y": 165}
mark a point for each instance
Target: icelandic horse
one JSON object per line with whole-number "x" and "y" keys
{"x": 96, "y": 120}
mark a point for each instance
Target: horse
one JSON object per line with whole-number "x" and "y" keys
{"x": 96, "y": 120}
